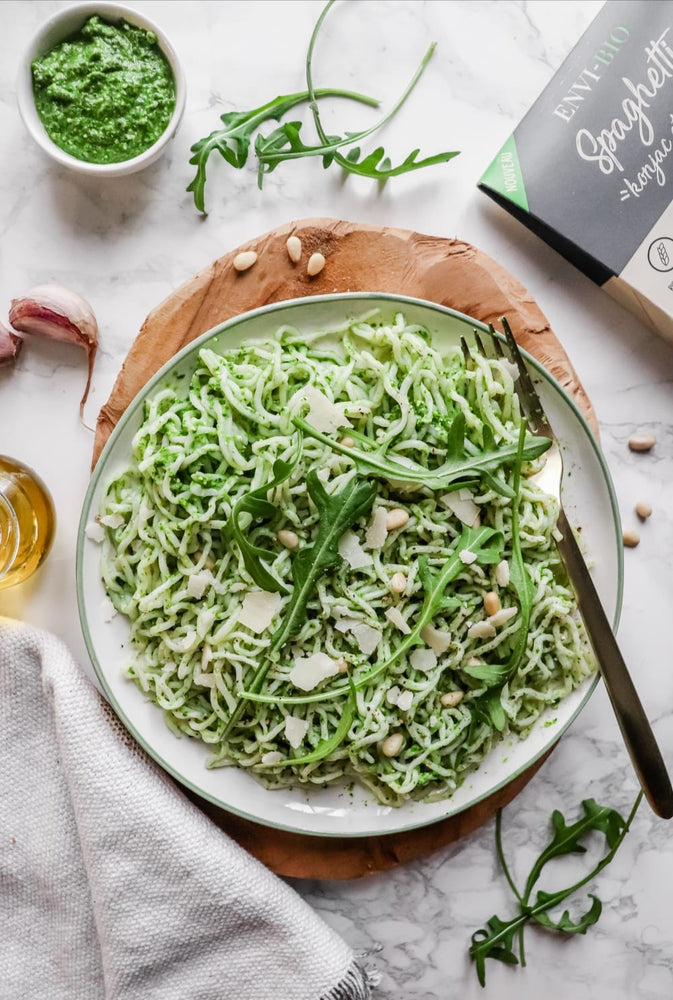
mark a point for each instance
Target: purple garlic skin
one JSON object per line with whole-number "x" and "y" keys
{"x": 10, "y": 345}
{"x": 59, "y": 314}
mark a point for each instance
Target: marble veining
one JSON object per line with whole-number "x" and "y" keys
{"x": 127, "y": 243}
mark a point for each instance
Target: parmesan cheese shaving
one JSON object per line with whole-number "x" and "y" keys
{"x": 345, "y": 624}
{"x": 481, "y": 630}
{"x": 309, "y": 671}
{"x": 351, "y": 550}
{"x": 111, "y": 520}
{"x": 423, "y": 659}
{"x": 94, "y": 531}
{"x": 502, "y": 573}
{"x": 438, "y": 641}
{"x": 392, "y": 694}
{"x": 272, "y": 757}
{"x": 258, "y": 609}
{"x": 295, "y": 730}
{"x": 198, "y": 583}
{"x": 324, "y": 415}
{"x": 377, "y": 532}
{"x": 204, "y": 621}
{"x": 467, "y": 557}
{"x": 462, "y": 504}
{"x": 395, "y": 616}
{"x": 405, "y": 701}
{"x": 502, "y": 616}
{"x": 366, "y": 636}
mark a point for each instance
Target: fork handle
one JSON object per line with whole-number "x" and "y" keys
{"x": 633, "y": 722}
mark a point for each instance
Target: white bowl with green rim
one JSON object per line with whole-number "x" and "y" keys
{"x": 342, "y": 811}
{"x": 64, "y": 24}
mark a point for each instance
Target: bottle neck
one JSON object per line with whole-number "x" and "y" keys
{"x": 9, "y": 534}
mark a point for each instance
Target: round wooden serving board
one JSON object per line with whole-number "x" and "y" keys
{"x": 358, "y": 258}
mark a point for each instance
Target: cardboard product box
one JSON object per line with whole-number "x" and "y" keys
{"x": 590, "y": 167}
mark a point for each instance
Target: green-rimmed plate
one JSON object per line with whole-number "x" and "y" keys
{"x": 335, "y": 811}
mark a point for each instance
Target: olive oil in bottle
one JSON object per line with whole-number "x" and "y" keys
{"x": 27, "y": 521}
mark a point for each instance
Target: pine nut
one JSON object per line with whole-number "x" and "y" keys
{"x": 316, "y": 262}
{"x": 244, "y": 260}
{"x": 293, "y": 245}
{"x": 347, "y": 442}
{"x": 643, "y": 510}
{"x": 398, "y": 583}
{"x": 396, "y": 518}
{"x": 630, "y": 538}
{"x": 342, "y": 666}
{"x": 208, "y": 562}
{"x": 288, "y": 538}
{"x": 641, "y": 442}
{"x": 451, "y": 699}
{"x": 491, "y": 603}
{"x": 392, "y": 745}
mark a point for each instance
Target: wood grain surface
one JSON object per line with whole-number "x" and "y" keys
{"x": 358, "y": 258}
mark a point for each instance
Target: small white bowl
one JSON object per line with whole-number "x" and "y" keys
{"x": 64, "y": 23}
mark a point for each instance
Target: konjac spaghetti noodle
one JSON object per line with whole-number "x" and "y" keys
{"x": 395, "y": 652}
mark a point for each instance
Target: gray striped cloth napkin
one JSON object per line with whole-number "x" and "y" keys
{"x": 112, "y": 884}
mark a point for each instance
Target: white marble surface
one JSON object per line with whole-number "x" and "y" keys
{"x": 126, "y": 243}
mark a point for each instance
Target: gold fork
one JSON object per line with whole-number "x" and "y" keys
{"x": 633, "y": 722}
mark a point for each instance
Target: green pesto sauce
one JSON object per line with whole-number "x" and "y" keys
{"x": 106, "y": 93}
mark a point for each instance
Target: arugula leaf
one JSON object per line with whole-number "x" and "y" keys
{"x": 325, "y": 747}
{"x": 233, "y": 141}
{"x": 565, "y": 924}
{"x": 567, "y": 839}
{"x": 376, "y": 165}
{"x": 496, "y": 940}
{"x": 495, "y": 675}
{"x": 338, "y": 513}
{"x": 285, "y": 143}
{"x": 485, "y": 542}
{"x": 255, "y": 503}
{"x": 459, "y": 469}
{"x": 492, "y": 704}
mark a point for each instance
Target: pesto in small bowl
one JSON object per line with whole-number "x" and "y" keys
{"x": 106, "y": 93}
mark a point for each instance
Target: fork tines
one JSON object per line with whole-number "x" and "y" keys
{"x": 525, "y": 389}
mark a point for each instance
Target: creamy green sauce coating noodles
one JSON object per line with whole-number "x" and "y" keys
{"x": 171, "y": 565}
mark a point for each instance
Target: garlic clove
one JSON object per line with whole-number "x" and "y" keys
{"x": 10, "y": 344}
{"x": 59, "y": 314}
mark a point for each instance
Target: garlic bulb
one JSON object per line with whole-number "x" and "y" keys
{"x": 10, "y": 344}
{"x": 59, "y": 314}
